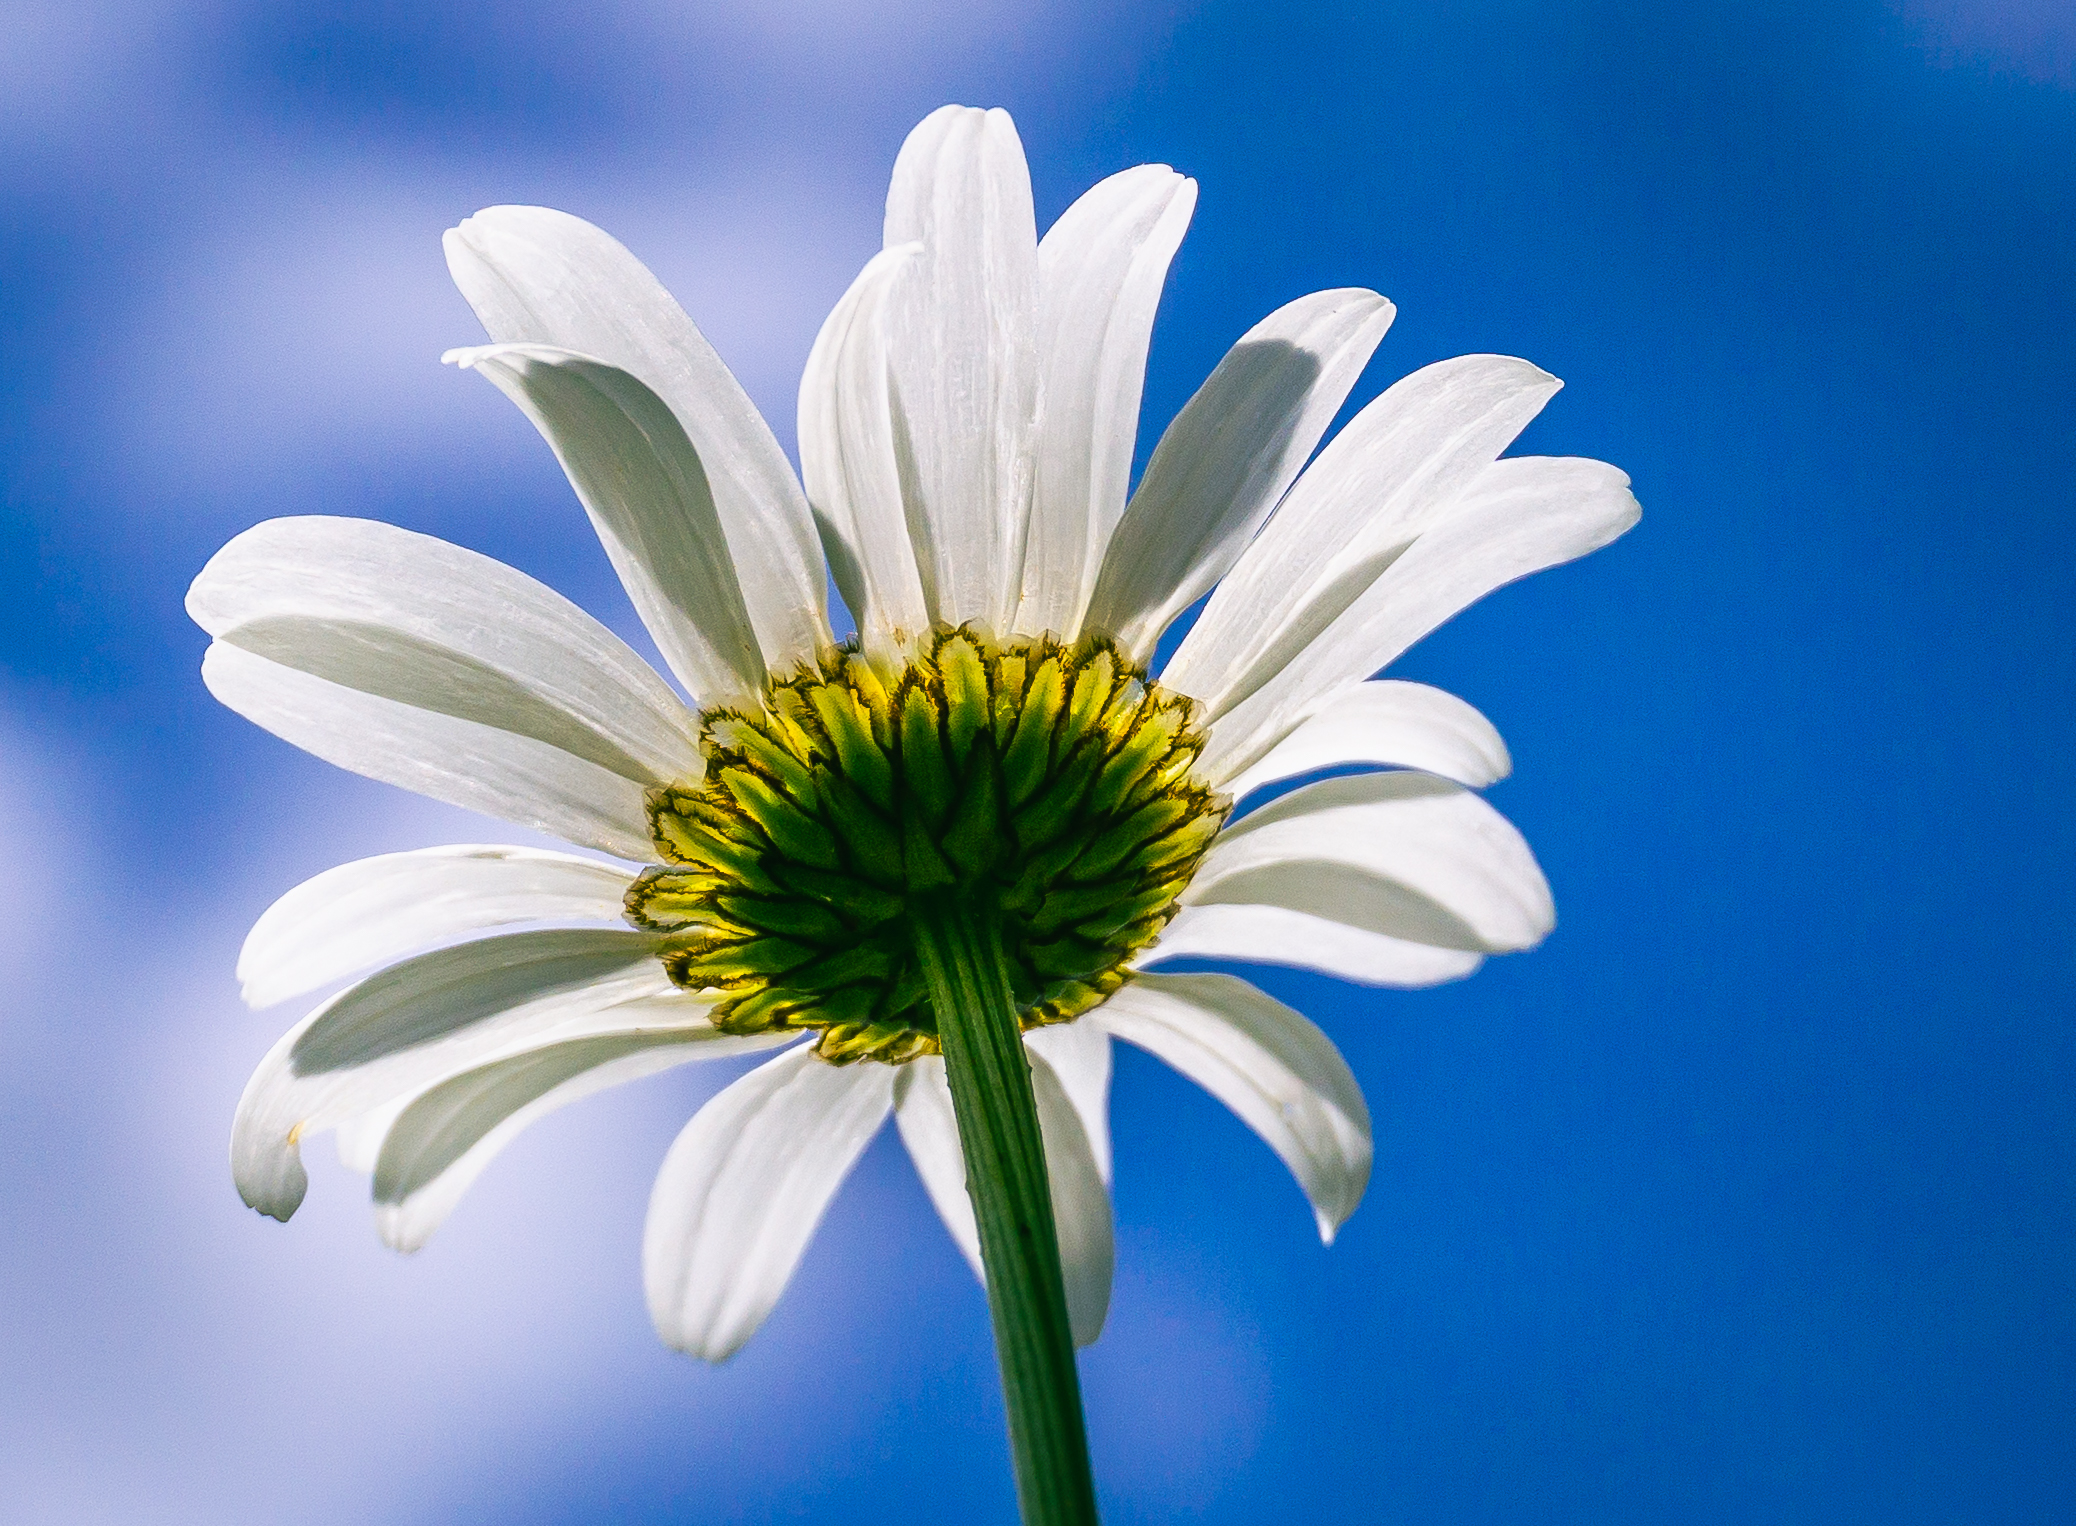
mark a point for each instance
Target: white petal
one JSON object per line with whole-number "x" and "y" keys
{"x": 1390, "y": 474}
{"x": 742, "y": 1189}
{"x": 1079, "y": 1182}
{"x": 1270, "y": 1065}
{"x": 1079, "y": 1054}
{"x": 544, "y": 277}
{"x": 1278, "y": 935}
{"x": 359, "y": 1139}
{"x": 379, "y": 909}
{"x": 1405, "y": 854}
{"x": 1228, "y": 457}
{"x": 1517, "y": 516}
{"x": 964, "y": 357}
{"x": 411, "y": 1026}
{"x": 1100, "y": 272}
{"x": 443, "y": 1140}
{"x": 648, "y": 497}
{"x": 413, "y": 619}
{"x": 463, "y": 762}
{"x": 1080, "y": 1205}
{"x": 930, "y": 1129}
{"x": 849, "y": 461}
{"x": 1388, "y": 722}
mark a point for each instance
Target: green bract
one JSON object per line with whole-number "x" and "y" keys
{"x": 1050, "y": 785}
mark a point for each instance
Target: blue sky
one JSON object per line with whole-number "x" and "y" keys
{"x": 1746, "y": 1197}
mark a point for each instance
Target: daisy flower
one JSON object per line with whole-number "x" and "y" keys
{"x": 816, "y": 854}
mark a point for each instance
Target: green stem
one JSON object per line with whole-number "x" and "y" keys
{"x": 960, "y": 944}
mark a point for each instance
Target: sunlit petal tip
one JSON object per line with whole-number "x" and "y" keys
{"x": 470, "y": 356}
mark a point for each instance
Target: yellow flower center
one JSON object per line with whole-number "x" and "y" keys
{"x": 1053, "y": 784}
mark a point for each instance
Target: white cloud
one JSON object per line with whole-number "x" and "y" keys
{"x": 299, "y": 324}
{"x": 300, "y": 327}
{"x": 62, "y": 62}
{"x": 286, "y": 301}
{"x": 45, "y": 850}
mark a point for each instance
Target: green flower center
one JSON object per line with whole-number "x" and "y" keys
{"x": 1051, "y": 783}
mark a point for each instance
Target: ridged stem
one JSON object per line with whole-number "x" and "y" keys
{"x": 959, "y": 942}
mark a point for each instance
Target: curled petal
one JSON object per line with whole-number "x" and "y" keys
{"x": 648, "y": 496}
{"x": 1395, "y": 470}
{"x": 1079, "y": 1180}
{"x": 1515, "y": 517}
{"x": 1257, "y": 934}
{"x": 1404, "y": 854}
{"x": 409, "y": 1027}
{"x": 379, "y": 909}
{"x": 851, "y": 464}
{"x": 432, "y": 1149}
{"x": 537, "y": 276}
{"x": 1279, "y": 1074}
{"x": 1391, "y": 724}
{"x": 742, "y": 1190}
{"x": 1228, "y": 457}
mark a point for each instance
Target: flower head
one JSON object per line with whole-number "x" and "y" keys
{"x": 1054, "y": 783}
{"x": 993, "y": 731}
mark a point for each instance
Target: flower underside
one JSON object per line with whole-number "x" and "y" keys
{"x": 1052, "y": 783}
